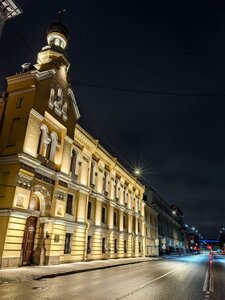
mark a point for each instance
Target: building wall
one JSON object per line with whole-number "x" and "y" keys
{"x": 51, "y": 168}
{"x": 151, "y": 232}
{"x": 170, "y": 235}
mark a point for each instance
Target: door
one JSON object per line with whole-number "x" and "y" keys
{"x": 28, "y": 240}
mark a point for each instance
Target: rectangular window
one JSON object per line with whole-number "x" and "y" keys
{"x": 89, "y": 244}
{"x": 125, "y": 246}
{"x": 138, "y": 226}
{"x": 139, "y": 247}
{"x": 103, "y": 215}
{"x": 19, "y": 102}
{"x": 67, "y": 246}
{"x": 13, "y": 132}
{"x": 124, "y": 221}
{"x": 69, "y": 204}
{"x": 105, "y": 182}
{"x": 115, "y": 246}
{"x": 89, "y": 215}
{"x": 103, "y": 245}
{"x": 115, "y": 219}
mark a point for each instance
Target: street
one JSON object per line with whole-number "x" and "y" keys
{"x": 187, "y": 277}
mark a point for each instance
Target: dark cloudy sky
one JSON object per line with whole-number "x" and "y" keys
{"x": 150, "y": 55}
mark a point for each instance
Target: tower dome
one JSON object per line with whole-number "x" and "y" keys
{"x": 57, "y": 35}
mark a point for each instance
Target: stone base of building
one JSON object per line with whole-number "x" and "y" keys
{"x": 10, "y": 262}
{"x": 52, "y": 260}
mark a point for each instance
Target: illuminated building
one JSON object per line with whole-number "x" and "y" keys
{"x": 170, "y": 223}
{"x": 63, "y": 197}
{"x": 8, "y": 10}
{"x": 151, "y": 231}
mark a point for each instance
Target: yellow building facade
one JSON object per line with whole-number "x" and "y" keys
{"x": 151, "y": 231}
{"x": 63, "y": 197}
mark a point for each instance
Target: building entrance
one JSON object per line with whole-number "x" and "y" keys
{"x": 28, "y": 240}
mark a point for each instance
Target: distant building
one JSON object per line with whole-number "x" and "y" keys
{"x": 8, "y": 10}
{"x": 170, "y": 223}
{"x": 151, "y": 231}
{"x": 63, "y": 197}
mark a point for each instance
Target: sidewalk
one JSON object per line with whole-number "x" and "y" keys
{"x": 40, "y": 272}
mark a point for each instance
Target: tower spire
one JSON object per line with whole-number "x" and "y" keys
{"x": 61, "y": 12}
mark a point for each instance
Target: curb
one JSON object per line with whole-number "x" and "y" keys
{"x": 54, "y": 275}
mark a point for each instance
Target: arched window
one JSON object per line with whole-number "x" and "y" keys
{"x": 73, "y": 164}
{"x": 59, "y": 99}
{"x": 57, "y": 42}
{"x": 51, "y": 97}
{"x": 43, "y": 141}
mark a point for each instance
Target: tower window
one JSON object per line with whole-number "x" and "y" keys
{"x": 57, "y": 42}
{"x": 19, "y": 103}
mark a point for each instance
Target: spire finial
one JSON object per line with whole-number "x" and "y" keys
{"x": 61, "y": 12}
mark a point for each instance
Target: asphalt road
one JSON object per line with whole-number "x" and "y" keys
{"x": 198, "y": 277}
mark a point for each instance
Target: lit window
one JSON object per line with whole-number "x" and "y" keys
{"x": 57, "y": 42}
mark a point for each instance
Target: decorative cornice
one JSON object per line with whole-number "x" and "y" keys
{"x": 68, "y": 139}
{"x": 28, "y": 160}
{"x": 36, "y": 114}
{"x": 43, "y": 74}
{"x": 9, "y": 159}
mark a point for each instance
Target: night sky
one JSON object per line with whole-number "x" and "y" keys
{"x": 149, "y": 81}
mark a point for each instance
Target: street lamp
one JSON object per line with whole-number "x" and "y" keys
{"x": 137, "y": 172}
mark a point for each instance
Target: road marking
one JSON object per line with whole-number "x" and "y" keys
{"x": 205, "y": 286}
{"x": 211, "y": 281}
{"x": 166, "y": 274}
{"x": 208, "y": 286}
{"x": 149, "y": 282}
